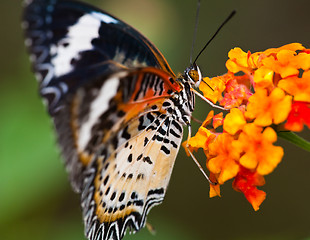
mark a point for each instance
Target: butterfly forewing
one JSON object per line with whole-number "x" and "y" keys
{"x": 71, "y": 43}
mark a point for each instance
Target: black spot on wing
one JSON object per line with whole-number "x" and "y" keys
{"x": 174, "y": 133}
{"x": 146, "y": 140}
{"x": 141, "y": 125}
{"x": 166, "y": 104}
{"x": 121, "y": 197}
{"x": 129, "y": 159}
{"x": 106, "y": 180}
{"x": 133, "y": 195}
{"x": 113, "y": 196}
{"x": 139, "y": 157}
{"x": 125, "y": 133}
{"x": 158, "y": 191}
{"x": 165, "y": 149}
{"x": 177, "y": 126}
{"x": 138, "y": 203}
{"x": 140, "y": 176}
{"x": 173, "y": 144}
{"x": 150, "y": 117}
{"x": 162, "y": 131}
{"x": 159, "y": 138}
{"x": 107, "y": 191}
{"x": 147, "y": 159}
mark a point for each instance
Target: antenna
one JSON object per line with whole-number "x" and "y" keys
{"x": 217, "y": 31}
{"x": 195, "y": 32}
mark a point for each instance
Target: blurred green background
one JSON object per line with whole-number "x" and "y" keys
{"x": 36, "y": 201}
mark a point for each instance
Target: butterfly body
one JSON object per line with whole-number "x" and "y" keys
{"x": 117, "y": 107}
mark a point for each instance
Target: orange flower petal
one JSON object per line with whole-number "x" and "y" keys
{"x": 287, "y": 62}
{"x": 222, "y": 158}
{"x": 263, "y": 77}
{"x": 298, "y": 87}
{"x": 208, "y": 119}
{"x": 213, "y": 90}
{"x": 268, "y": 109}
{"x": 218, "y": 120}
{"x": 257, "y": 107}
{"x": 257, "y": 150}
{"x": 201, "y": 139}
{"x": 215, "y": 190}
{"x": 239, "y": 56}
{"x": 254, "y": 60}
{"x": 281, "y": 105}
{"x": 292, "y": 47}
{"x": 234, "y": 121}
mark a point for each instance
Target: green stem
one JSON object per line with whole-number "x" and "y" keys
{"x": 295, "y": 139}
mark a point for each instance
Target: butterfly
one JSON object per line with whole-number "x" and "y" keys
{"x": 117, "y": 107}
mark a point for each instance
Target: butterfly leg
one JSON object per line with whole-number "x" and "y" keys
{"x": 208, "y": 101}
{"x": 194, "y": 158}
{"x": 196, "y": 120}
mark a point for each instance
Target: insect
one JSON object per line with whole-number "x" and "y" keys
{"x": 117, "y": 107}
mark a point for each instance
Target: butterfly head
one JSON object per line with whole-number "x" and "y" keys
{"x": 193, "y": 75}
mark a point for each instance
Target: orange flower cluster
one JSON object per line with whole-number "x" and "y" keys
{"x": 262, "y": 92}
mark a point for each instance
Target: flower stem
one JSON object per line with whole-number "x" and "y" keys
{"x": 295, "y": 139}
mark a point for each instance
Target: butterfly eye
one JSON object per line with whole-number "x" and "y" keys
{"x": 194, "y": 75}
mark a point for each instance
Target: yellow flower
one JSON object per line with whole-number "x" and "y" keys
{"x": 254, "y": 60}
{"x": 257, "y": 150}
{"x": 222, "y": 158}
{"x": 263, "y": 77}
{"x": 201, "y": 139}
{"x": 298, "y": 87}
{"x": 268, "y": 109}
{"x": 292, "y": 47}
{"x": 214, "y": 189}
{"x": 238, "y": 60}
{"x": 214, "y": 93}
{"x": 218, "y": 120}
{"x": 287, "y": 62}
{"x": 234, "y": 121}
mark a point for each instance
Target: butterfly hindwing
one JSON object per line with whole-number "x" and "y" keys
{"x": 134, "y": 178}
{"x": 129, "y": 151}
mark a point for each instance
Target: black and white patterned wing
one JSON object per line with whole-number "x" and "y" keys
{"x": 72, "y": 43}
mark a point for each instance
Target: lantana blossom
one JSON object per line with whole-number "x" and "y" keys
{"x": 262, "y": 93}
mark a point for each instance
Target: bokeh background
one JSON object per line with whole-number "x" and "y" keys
{"x": 36, "y": 201}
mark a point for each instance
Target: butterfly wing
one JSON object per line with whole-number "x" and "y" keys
{"x": 132, "y": 180}
{"x": 108, "y": 90}
{"x": 72, "y": 43}
{"x": 126, "y": 149}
